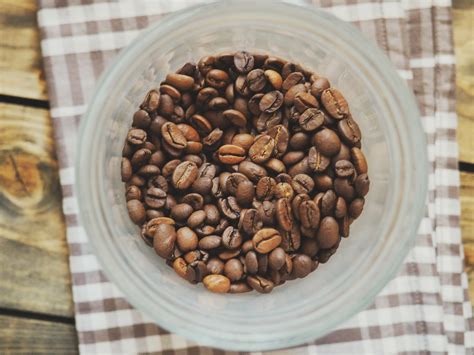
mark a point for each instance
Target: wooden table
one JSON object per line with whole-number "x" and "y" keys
{"x": 36, "y": 310}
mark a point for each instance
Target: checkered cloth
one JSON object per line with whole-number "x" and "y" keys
{"x": 424, "y": 309}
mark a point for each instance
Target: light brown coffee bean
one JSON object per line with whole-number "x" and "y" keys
{"x": 217, "y": 283}
{"x": 231, "y": 154}
{"x": 328, "y": 233}
{"x": 265, "y": 240}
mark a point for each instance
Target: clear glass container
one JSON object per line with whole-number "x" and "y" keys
{"x": 393, "y": 141}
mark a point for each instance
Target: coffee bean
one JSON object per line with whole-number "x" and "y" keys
{"x": 205, "y": 64}
{"x": 254, "y": 104}
{"x": 265, "y": 188}
{"x": 309, "y": 214}
{"x": 283, "y": 214}
{"x": 251, "y": 170}
{"x": 215, "y": 266}
{"x": 299, "y": 141}
{"x": 171, "y": 91}
{"x": 151, "y": 101}
{"x": 271, "y": 101}
{"x": 181, "y": 212}
{"x": 319, "y": 85}
{"x": 140, "y": 157}
{"x": 356, "y": 207}
{"x": 184, "y": 175}
{"x": 359, "y": 160}
{"x": 276, "y": 259}
{"x": 236, "y": 117}
{"x": 335, "y": 103}
{"x": 275, "y": 165}
{"x": 284, "y": 190}
{"x": 274, "y": 78}
{"x": 141, "y": 119}
{"x": 133, "y": 193}
{"x": 212, "y": 214}
{"x": 212, "y": 139}
{"x": 233, "y": 269}
{"x": 292, "y": 92}
{"x": 201, "y": 123}
{"x": 296, "y": 202}
{"x": 317, "y": 161}
{"x": 173, "y": 136}
{"x": 311, "y": 119}
{"x": 239, "y": 287}
{"x": 155, "y": 197}
{"x": 167, "y": 106}
{"x": 310, "y": 247}
{"x": 302, "y": 265}
{"x": 187, "y": 239}
{"x": 180, "y": 267}
{"x": 291, "y": 241}
{"x": 256, "y": 80}
{"x": 231, "y": 154}
{"x": 164, "y": 240}
{"x": 126, "y": 170}
{"x": 327, "y": 142}
{"x": 304, "y": 101}
{"x": 250, "y": 221}
{"x": 180, "y": 81}
{"x": 251, "y": 263}
{"x": 243, "y": 62}
{"x": 349, "y": 131}
{"x": 207, "y": 170}
{"x": 136, "y": 211}
{"x": 280, "y": 135}
{"x": 291, "y": 80}
{"x": 341, "y": 208}
{"x": 244, "y": 140}
{"x": 362, "y": 184}
{"x": 302, "y": 184}
{"x": 231, "y": 238}
{"x": 205, "y": 95}
{"x": 262, "y": 149}
{"x": 260, "y": 284}
{"x": 267, "y": 212}
{"x": 328, "y": 233}
{"x": 136, "y": 136}
{"x": 233, "y": 181}
{"x": 148, "y": 171}
{"x": 292, "y": 158}
{"x": 196, "y": 219}
{"x": 344, "y": 188}
{"x": 265, "y": 240}
{"x": 323, "y": 182}
{"x": 195, "y": 200}
{"x": 328, "y": 203}
{"x": 217, "y": 283}
{"x": 229, "y": 207}
{"x": 202, "y": 186}
{"x": 344, "y": 168}
{"x": 266, "y": 121}
{"x": 245, "y": 193}
{"x": 218, "y": 79}
{"x": 229, "y": 254}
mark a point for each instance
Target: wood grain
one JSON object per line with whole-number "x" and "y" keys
{"x": 29, "y": 336}
{"x": 20, "y": 56}
{"x": 463, "y": 21}
{"x": 34, "y": 255}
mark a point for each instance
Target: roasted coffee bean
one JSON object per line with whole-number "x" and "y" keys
{"x": 304, "y": 101}
{"x": 274, "y": 78}
{"x": 187, "y": 239}
{"x": 231, "y": 154}
{"x": 299, "y": 141}
{"x": 349, "y": 131}
{"x": 137, "y": 181}
{"x": 344, "y": 226}
{"x": 180, "y": 81}
{"x": 328, "y": 203}
{"x": 362, "y": 184}
{"x": 207, "y": 170}
{"x": 136, "y": 211}
{"x": 205, "y": 95}
{"x": 239, "y": 287}
{"x": 275, "y": 165}
{"x": 233, "y": 269}
{"x": 292, "y": 158}
{"x": 196, "y": 219}
{"x": 148, "y": 171}
{"x": 343, "y": 154}
{"x": 233, "y": 181}
{"x": 301, "y": 265}
{"x": 267, "y": 213}
{"x": 280, "y": 135}
{"x": 236, "y": 117}
{"x": 265, "y": 240}
{"x": 356, "y": 207}
{"x": 155, "y": 197}
{"x": 271, "y": 101}
{"x": 126, "y": 170}
{"x": 310, "y": 247}
{"x": 341, "y": 208}
{"x": 344, "y": 188}
{"x": 158, "y": 158}
{"x": 171, "y": 91}
{"x": 276, "y": 259}
{"x": 173, "y": 136}
{"x": 241, "y": 87}
{"x": 210, "y": 242}
{"x": 328, "y": 233}
{"x": 284, "y": 190}
{"x": 291, "y": 80}
{"x": 243, "y": 62}
{"x": 141, "y": 119}
{"x": 167, "y": 106}
{"x": 151, "y": 101}
{"x": 302, "y": 184}
{"x": 256, "y": 80}
{"x": 251, "y": 263}
{"x": 360, "y": 163}
{"x": 253, "y": 171}
{"x": 265, "y": 188}
{"x": 181, "y": 212}
{"x": 205, "y": 64}
{"x": 212, "y": 214}
{"x": 291, "y": 241}
{"x": 229, "y": 207}
{"x": 335, "y": 103}
{"x": 136, "y": 136}
{"x": 262, "y": 149}
{"x": 202, "y": 186}
{"x": 212, "y": 138}
{"x": 296, "y": 202}
{"x": 344, "y": 168}
{"x": 217, "y": 283}
{"x": 311, "y": 119}
{"x": 245, "y": 193}
{"x": 184, "y": 175}
{"x": 309, "y": 214}
{"x": 319, "y": 85}
{"x": 260, "y": 284}
{"x": 201, "y": 123}
{"x": 195, "y": 200}
{"x": 250, "y": 221}
{"x": 283, "y": 214}
{"x": 215, "y": 266}
{"x": 229, "y": 254}
{"x": 292, "y": 92}
{"x": 323, "y": 182}
{"x": 266, "y": 121}
{"x": 327, "y": 142}
{"x": 244, "y": 140}
{"x": 133, "y": 193}
{"x": 164, "y": 240}
{"x": 231, "y": 238}
{"x": 140, "y": 157}
{"x": 218, "y": 79}
{"x": 317, "y": 161}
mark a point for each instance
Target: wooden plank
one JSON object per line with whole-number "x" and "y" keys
{"x": 20, "y": 56}
{"x": 463, "y": 27}
{"x": 467, "y": 226}
{"x": 29, "y": 336}
{"x": 34, "y": 257}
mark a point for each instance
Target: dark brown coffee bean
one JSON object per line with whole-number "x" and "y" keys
{"x": 265, "y": 188}
{"x": 317, "y": 161}
{"x": 276, "y": 259}
{"x": 195, "y": 200}
{"x": 327, "y": 142}
{"x": 262, "y": 264}
{"x": 210, "y": 242}
{"x": 251, "y": 263}
{"x": 260, "y": 284}
{"x": 205, "y": 64}
{"x": 201, "y": 123}
{"x": 233, "y": 181}
{"x": 344, "y": 168}
{"x": 302, "y": 167}
{"x": 291, "y": 80}
{"x": 229, "y": 254}
{"x": 328, "y": 233}
{"x": 275, "y": 165}
{"x": 250, "y": 221}
{"x": 202, "y": 186}
{"x": 349, "y": 131}
{"x": 344, "y": 188}
{"x": 271, "y": 101}
{"x": 335, "y": 103}
{"x": 281, "y": 136}
{"x": 158, "y": 158}
{"x": 362, "y": 184}
{"x": 356, "y": 207}
{"x": 296, "y": 202}
{"x": 291, "y": 241}
{"x": 126, "y": 170}
{"x": 167, "y": 106}
{"x": 136, "y": 136}
{"x": 265, "y": 240}
{"x": 302, "y": 265}
{"x": 141, "y": 119}
{"x": 292, "y": 92}
{"x": 328, "y": 203}
{"x": 299, "y": 141}
{"x": 254, "y": 104}
{"x": 311, "y": 119}
{"x": 239, "y": 287}
{"x": 266, "y": 121}
{"x": 319, "y": 85}
{"x": 151, "y": 101}
{"x": 212, "y": 214}
{"x": 155, "y": 197}
{"x": 231, "y": 154}
{"x": 310, "y": 247}
{"x": 292, "y": 158}
{"x": 217, "y": 283}
{"x": 304, "y": 101}
{"x": 164, "y": 240}
{"x": 136, "y": 211}
{"x": 207, "y": 170}
{"x": 137, "y": 181}
{"x": 245, "y": 193}
{"x": 140, "y": 157}
{"x": 187, "y": 239}
{"x": 322, "y": 182}
{"x": 230, "y": 93}
{"x": 231, "y": 238}
{"x": 229, "y": 207}
{"x": 148, "y": 171}
{"x": 173, "y": 136}
{"x": 234, "y": 269}
{"x": 283, "y": 214}
{"x": 218, "y": 79}
{"x": 309, "y": 214}
{"x": 256, "y": 80}
{"x": 184, "y": 175}
{"x": 284, "y": 190}
{"x": 343, "y": 154}
{"x": 253, "y": 171}
{"x": 302, "y": 184}
{"x": 205, "y": 95}
{"x": 243, "y": 62}
{"x": 262, "y": 149}
{"x": 241, "y": 87}
{"x": 274, "y": 78}
{"x": 171, "y": 91}
{"x": 236, "y": 117}
{"x": 274, "y": 63}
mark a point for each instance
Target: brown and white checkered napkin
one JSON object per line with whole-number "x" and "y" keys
{"x": 424, "y": 309}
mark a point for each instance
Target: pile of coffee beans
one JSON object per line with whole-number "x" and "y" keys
{"x": 244, "y": 171}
